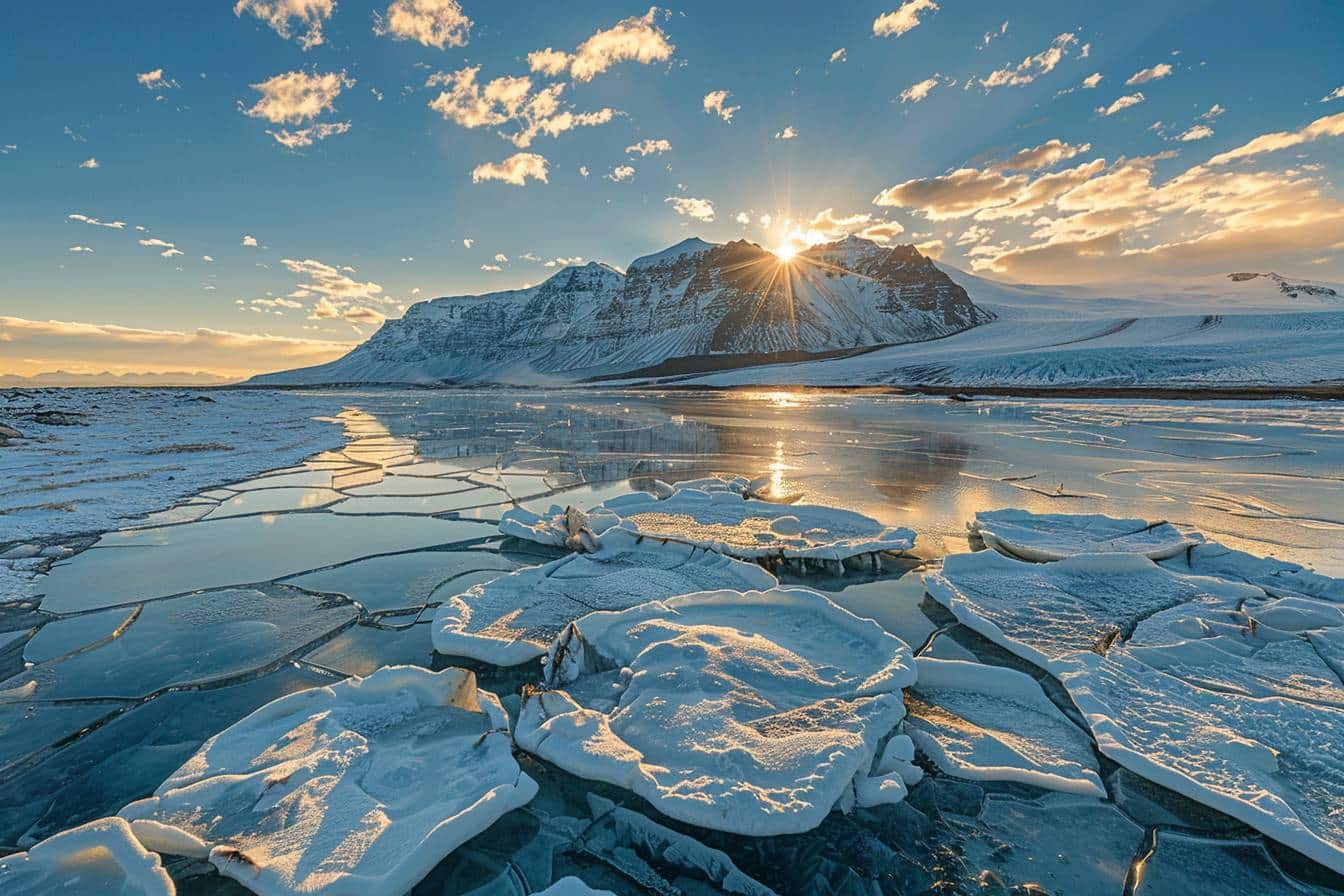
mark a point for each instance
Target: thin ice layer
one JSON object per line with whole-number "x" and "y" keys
{"x": 1043, "y": 537}
{"x": 1271, "y": 763}
{"x": 516, "y": 617}
{"x": 988, "y": 723}
{"x": 745, "y": 712}
{"x": 100, "y": 857}
{"x": 357, "y": 788}
{"x": 750, "y": 529}
{"x": 1044, "y": 612}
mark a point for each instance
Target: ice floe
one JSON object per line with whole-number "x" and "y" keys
{"x": 746, "y": 712}
{"x": 99, "y": 857}
{"x": 558, "y": 527}
{"x": 516, "y": 617}
{"x": 1043, "y": 537}
{"x": 1045, "y": 611}
{"x": 356, "y": 788}
{"x": 1182, "y": 864}
{"x": 1272, "y": 763}
{"x": 1277, "y": 577}
{"x": 989, "y": 723}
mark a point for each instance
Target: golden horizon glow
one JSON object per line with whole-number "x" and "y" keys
{"x": 785, "y": 251}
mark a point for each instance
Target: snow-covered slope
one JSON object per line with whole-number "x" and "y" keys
{"x": 693, "y": 300}
{"x": 1232, "y": 330}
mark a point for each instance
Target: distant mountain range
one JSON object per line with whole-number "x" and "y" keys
{"x": 63, "y": 379}
{"x": 693, "y": 307}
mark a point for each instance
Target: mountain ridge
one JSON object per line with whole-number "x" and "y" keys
{"x": 692, "y": 299}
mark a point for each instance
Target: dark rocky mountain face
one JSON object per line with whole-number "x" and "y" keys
{"x": 695, "y": 299}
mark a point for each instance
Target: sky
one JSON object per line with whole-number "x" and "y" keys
{"x": 232, "y": 187}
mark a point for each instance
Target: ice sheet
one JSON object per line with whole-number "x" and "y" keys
{"x": 99, "y": 857}
{"x": 1042, "y": 537}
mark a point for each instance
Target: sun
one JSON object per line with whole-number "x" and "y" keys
{"x": 785, "y": 252}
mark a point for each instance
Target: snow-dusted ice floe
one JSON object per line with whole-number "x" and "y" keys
{"x": 1046, "y": 611}
{"x": 357, "y": 789}
{"x": 516, "y": 617}
{"x": 100, "y": 857}
{"x": 1272, "y": 763}
{"x": 726, "y": 522}
{"x": 1042, "y": 537}
{"x": 994, "y": 724}
{"x": 746, "y": 712}
{"x": 558, "y": 527}
{"x": 1277, "y": 577}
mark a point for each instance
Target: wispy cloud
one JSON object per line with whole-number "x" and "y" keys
{"x": 1198, "y": 132}
{"x": 902, "y": 19}
{"x": 297, "y": 97}
{"x": 1155, "y": 73}
{"x": 169, "y": 249}
{"x": 789, "y": 133}
{"x": 716, "y": 103}
{"x": 280, "y": 15}
{"x": 431, "y": 23}
{"x": 621, "y": 173}
{"x": 506, "y": 100}
{"x": 301, "y": 137}
{"x": 1049, "y": 153}
{"x": 516, "y": 169}
{"x": 89, "y": 163}
{"x": 1329, "y": 126}
{"x": 155, "y": 80}
{"x": 249, "y": 241}
{"x": 85, "y": 219}
{"x": 1032, "y": 67}
{"x": 1336, "y": 94}
{"x": 1092, "y": 80}
{"x": 1121, "y": 104}
{"x": 917, "y": 91}
{"x": 636, "y": 39}
{"x": 839, "y": 56}
{"x": 80, "y": 249}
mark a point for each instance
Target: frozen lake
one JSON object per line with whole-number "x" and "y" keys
{"x": 221, "y": 581}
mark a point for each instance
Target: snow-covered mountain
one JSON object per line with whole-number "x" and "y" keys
{"x": 697, "y": 303}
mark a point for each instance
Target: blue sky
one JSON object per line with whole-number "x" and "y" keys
{"x": 908, "y": 136}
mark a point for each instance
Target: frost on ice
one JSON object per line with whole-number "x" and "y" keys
{"x": 1272, "y": 763}
{"x": 751, "y": 712}
{"x": 360, "y": 787}
{"x": 1043, "y": 612}
{"x": 99, "y": 857}
{"x": 558, "y": 527}
{"x": 995, "y": 724}
{"x": 1042, "y": 537}
{"x": 516, "y": 617}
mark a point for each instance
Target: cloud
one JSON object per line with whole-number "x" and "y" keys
{"x": 8, "y": 148}
{"x": 516, "y": 169}
{"x": 649, "y": 147}
{"x": 902, "y": 19}
{"x": 1337, "y": 93}
{"x": 492, "y": 268}
{"x": 322, "y": 279}
{"x": 1329, "y": 126}
{"x": 85, "y": 219}
{"x": 154, "y": 80}
{"x": 468, "y": 242}
{"x": 501, "y": 258}
{"x": 301, "y": 137}
{"x": 562, "y": 262}
{"x": 716, "y": 103}
{"x": 789, "y": 133}
{"x": 1092, "y": 80}
{"x": 39, "y": 346}
{"x": 933, "y": 248}
{"x": 1121, "y": 104}
{"x": 1049, "y": 153}
{"x": 207, "y": 258}
{"x": 742, "y": 218}
{"x": 583, "y": 170}
{"x": 278, "y": 13}
{"x": 508, "y": 99}
{"x": 841, "y": 56}
{"x": 699, "y": 209}
{"x": 991, "y": 35}
{"x": 1214, "y": 111}
{"x": 621, "y": 173}
{"x": 1143, "y": 76}
{"x": 250, "y": 241}
{"x": 89, "y": 163}
{"x": 916, "y": 92}
{"x": 961, "y": 193}
{"x": 1198, "y": 132}
{"x": 295, "y": 97}
{"x": 80, "y": 249}
{"x": 636, "y": 39}
{"x": 169, "y": 249}
{"x": 431, "y": 23}
{"x": 1032, "y": 67}
{"x": 883, "y": 232}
